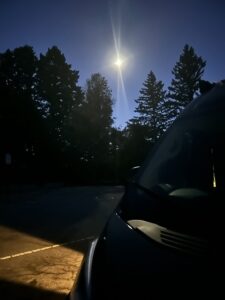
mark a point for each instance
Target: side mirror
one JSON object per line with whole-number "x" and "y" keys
{"x": 132, "y": 173}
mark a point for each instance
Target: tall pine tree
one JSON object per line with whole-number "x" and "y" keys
{"x": 143, "y": 130}
{"x": 150, "y": 107}
{"x": 187, "y": 74}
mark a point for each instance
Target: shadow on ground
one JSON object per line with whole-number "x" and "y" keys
{"x": 59, "y": 214}
{"x": 10, "y": 290}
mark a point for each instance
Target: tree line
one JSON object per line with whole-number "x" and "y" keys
{"x": 52, "y": 129}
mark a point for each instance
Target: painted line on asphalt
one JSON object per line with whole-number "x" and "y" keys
{"x": 45, "y": 248}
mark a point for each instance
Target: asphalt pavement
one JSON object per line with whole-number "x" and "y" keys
{"x": 44, "y": 234}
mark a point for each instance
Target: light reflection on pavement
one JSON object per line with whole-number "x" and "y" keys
{"x": 51, "y": 268}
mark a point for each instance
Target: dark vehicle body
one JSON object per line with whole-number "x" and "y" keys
{"x": 165, "y": 240}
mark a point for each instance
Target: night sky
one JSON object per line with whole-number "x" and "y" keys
{"x": 149, "y": 35}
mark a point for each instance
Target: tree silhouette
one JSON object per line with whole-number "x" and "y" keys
{"x": 59, "y": 91}
{"x": 19, "y": 117}
{"x": 187, "y": 74}
{"x": 143, "y": 130}
{"x": 97, "y": 121}
{"x": 150, "y": 107}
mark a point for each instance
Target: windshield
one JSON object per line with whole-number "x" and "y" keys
{"x": 181, "y": 185}
{"x": 190, "y": 156}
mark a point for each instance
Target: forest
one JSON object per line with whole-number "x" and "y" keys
{"x": 53, "y": 130}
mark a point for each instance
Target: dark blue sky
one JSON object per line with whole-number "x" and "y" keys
{"x": 149, "y": 34}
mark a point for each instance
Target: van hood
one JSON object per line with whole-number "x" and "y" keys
{"x": 128, "y": 264}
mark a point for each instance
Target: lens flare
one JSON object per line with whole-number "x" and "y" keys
{"x": 121, "y": 61}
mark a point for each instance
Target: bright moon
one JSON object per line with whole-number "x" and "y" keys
{"x": 118, "y": 62}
